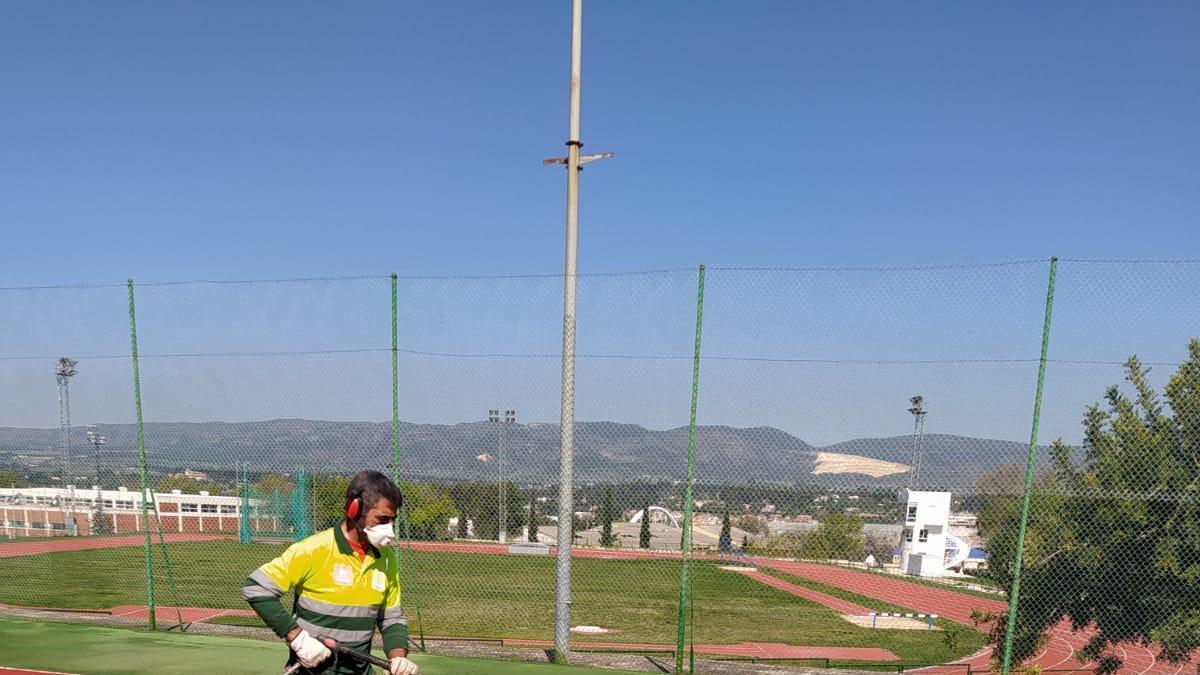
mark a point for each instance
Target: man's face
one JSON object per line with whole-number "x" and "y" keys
{"x": 383, "y": 513}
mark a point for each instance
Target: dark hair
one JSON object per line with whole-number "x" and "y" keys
{"x": 372, "y": 486}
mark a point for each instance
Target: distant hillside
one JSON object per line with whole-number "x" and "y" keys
{"x": 946, "y": 460}
{"x": 605, "y": 451}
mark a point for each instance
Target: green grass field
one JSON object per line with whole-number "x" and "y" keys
{"x": 489, "y": 596}
{"x": 92, "y": 650}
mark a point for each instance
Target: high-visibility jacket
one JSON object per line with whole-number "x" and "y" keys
{"x": 337, "y": 595}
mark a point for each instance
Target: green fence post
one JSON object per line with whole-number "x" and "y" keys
{"x": 141, "y": 447}
{"x": 244, "y": 535}
{"x": 686, "y": 539}
{"x": 408, "y": 569}
{"x": 301, "y": 522}
{"x": 1030, "y": 462}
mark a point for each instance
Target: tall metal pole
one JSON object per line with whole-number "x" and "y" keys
{"x": 395, "y": 385}
{"x": 63, "y": 374}
{"x": 503, "y": 511}
{"x": 510, "y": 416}
{"x": 406, "y": 562}
{"x": 501, "y": 499}
{"x": 566, "y": 505}
{"x": 144, "y": 478}
{"x": 686, "y": 536}
{"x": 918, "y": 412}
{"x": 1030, "y": 464}
{"x": 97, "y": 439}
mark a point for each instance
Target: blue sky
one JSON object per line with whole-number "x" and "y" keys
{"x": 276, "y": 140}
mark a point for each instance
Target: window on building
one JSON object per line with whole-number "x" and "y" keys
{"x": 189, "y": 508}
{"x": 15, "y": 523}
{"x": 125, "y": 504}
{"x": 228, "y": 508}
{"x": 37, "y": 526}
{"x": 208, "y": 508}
{"x": 908, "y": 536}
{"x": 923, "y": 536}
{"x": 108, "y": 503}
{"x": 58, "y": 526}
{"x": 912, "y": 512}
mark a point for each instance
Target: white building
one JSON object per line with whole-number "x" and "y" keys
{"x": 926, "y": 524}
{"x": 50, "y": 511}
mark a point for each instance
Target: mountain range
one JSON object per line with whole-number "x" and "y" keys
{"x": 605, "y": 452}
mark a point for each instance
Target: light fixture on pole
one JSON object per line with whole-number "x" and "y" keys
{"x": 583, "y": 159}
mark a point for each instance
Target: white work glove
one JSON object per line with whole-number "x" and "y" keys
{"x": 401, "y": 666}
{"x": 309, "y": 650}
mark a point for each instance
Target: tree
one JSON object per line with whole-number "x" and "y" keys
{"x": 879, "y": 547}
{"x": 469, "y": 503}
{"x": 785, "y": 544}
{"x": 515, "y": 516}
{"x": 578, "y": 525}
{"x": 606, "y": 520}
{"x": 481, "y": 500}
{"x": 329, "y": 499}
{"x": 839, "y": 537}
{"x": 273, "y": 482}
{"x": 750, "y": 523}
{"x": 533, "y": 518}
{"x": 9, "y": 479}
{"x": 430, "y": 509}
{"x": 1113, "y": 536}
{"x": 725, "y": 540}
{"x": 644, "y": 532}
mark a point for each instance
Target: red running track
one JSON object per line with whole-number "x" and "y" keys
{"x": 762, "y": 650}
{"x": 26, "y": 671}
{"x": 836, "y": 604}
{"x": 185, "y": 614}
{"x": 927, "y": 599}
{"x": 1062, "y": 644}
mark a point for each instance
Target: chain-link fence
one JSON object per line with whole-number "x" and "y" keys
{"x": 861, "y": 449}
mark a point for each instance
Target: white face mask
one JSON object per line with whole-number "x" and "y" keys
{"x": 381, "y": 535}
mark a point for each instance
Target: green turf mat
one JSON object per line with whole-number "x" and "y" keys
{"x": 93, "y": 650}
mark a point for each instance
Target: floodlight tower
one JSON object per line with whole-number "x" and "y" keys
{"x": 64, "y": 370}
{"x": 918, "y": 412}
{"x": 510, "y": 416}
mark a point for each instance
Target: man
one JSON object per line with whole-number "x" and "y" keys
{"x": 347, "y": 583}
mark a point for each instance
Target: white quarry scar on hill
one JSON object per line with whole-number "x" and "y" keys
{"x": 833, "y": 462}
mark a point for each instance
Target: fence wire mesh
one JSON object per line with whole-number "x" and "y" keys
{"x": 826, "y": 497}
